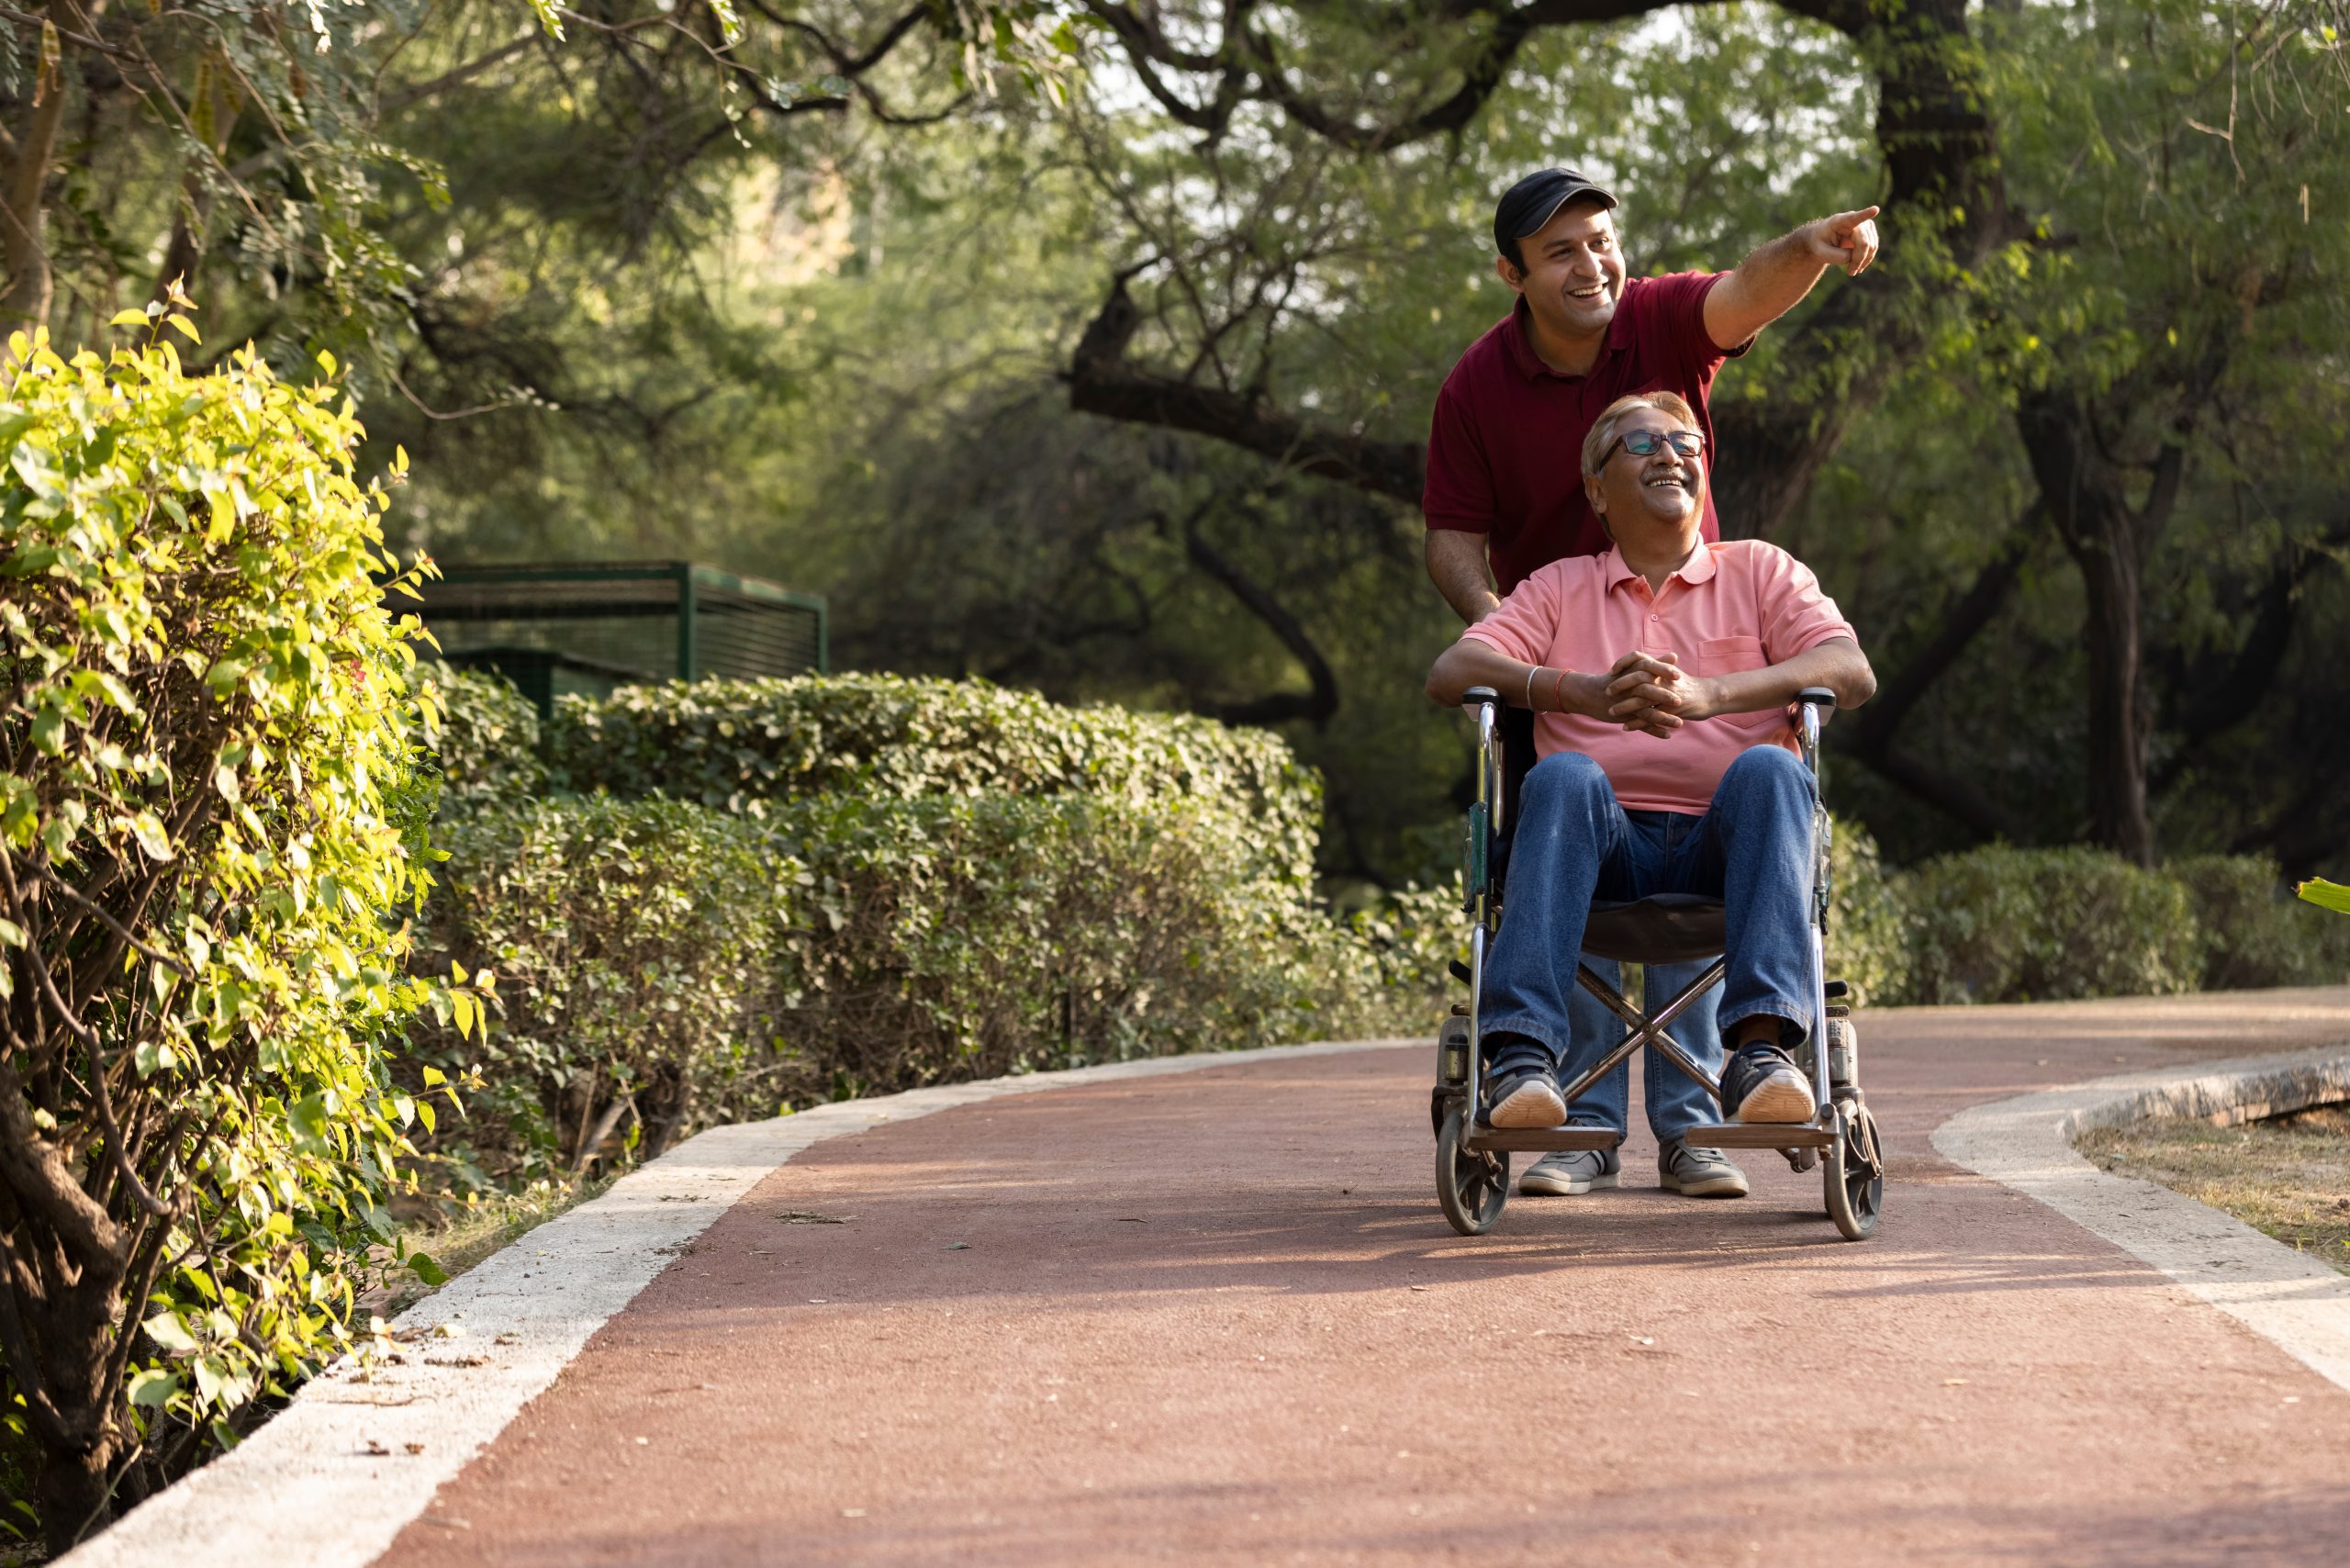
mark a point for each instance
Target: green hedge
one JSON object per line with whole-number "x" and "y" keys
{"x": 635, "y": 947}
{"x": 744, "y": 746}
{"x": 661, "y": 965}
{"x": 784, "y": 892}
{"x": 2255, "y": 932}
{"x": 2007, "y": 924}
{"x": 964, "y": 936}
{"x": 1868, "y": 925}
{"x": 482, "y": 737}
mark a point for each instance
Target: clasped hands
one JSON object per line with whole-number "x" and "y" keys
{"x": 1651, "y": 693}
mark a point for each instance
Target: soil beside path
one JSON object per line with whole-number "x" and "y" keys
{"x": 1218, "y": 1318}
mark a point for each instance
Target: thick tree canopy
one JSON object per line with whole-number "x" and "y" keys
{"x": 1090, "y": 345}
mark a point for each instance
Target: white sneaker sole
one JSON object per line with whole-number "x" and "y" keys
{"x": 1547, "y": 1186}
{"x": 1531, "y": 1105}
{"x": 1780, "y": 1100}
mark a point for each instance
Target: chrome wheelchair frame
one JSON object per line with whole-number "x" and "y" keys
{"x": 1472, "y": 1159}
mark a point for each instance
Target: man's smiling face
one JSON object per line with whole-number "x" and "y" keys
{"x": 1574, "y": 273}
{"x": 1663, "y": 487}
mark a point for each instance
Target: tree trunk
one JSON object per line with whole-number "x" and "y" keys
{"x": 23, "y": 201}
{"x": 78, "y": 1334}
{"x": 2084, "y": 491}
{"x": 71, "y": 1494}
{"x": 1945, "y": 198}
{"x": 2117, "y": 739}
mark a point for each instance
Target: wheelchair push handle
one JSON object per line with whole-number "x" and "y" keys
{"x": 1480, "y": 696}
{"x": 1813, "y": 704}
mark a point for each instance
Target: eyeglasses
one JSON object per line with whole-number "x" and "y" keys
{"x": 1646, "y": 443}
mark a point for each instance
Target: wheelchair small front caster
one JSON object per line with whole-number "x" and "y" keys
{"x": 1470, "y": 1186}
{"x": 1853, "y": 1174}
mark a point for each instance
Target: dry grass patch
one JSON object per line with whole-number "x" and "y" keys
{"x": 458, "y": 1235}
{"x": 2287, "y": 1177}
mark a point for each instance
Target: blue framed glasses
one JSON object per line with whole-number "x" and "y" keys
{"x": 1647, "y": 443}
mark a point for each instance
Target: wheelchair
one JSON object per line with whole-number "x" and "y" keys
{"x": 1472, "y": 1159}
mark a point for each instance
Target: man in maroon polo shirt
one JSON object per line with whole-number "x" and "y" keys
{"x": 1504, "y": 498}
{"x": 1504, "y": 475}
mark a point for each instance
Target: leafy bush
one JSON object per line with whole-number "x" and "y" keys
{"x": 964, "y": 936}
{"x": 2256, "y": 933}
{"x": 209, "y": 824}
{"x": 1410, "y": 938}
{"x": 2005, "y": 925}
{"x": 662, "y": 966}
{"x": 483, "y": 736}
{"x": 1868, "y": 933}
{"x": 741, "y": 745}
{"x": 635, "y": 945}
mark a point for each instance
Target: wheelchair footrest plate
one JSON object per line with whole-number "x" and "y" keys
{"x": 1545, "y": 1140}
{"x": 1758, "y": 1135}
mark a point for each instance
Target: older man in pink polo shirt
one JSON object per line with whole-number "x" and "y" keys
{"x": 1660, "y": 674}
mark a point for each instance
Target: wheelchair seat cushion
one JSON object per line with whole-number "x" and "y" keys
{"x": 1664, "y": 928}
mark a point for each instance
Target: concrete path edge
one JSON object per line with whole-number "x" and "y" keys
{"x": 356, "y": 1455}
{"x": 2296, "y": 1302}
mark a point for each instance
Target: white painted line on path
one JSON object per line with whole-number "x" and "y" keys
{"x": 333, "y": 1478}
{"x": 2286, "y": 1297}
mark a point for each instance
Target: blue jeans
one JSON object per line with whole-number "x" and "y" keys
{"x": 1750, "y": 848}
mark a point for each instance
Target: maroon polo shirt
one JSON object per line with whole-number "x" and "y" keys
{"x": 1505, "y": 448}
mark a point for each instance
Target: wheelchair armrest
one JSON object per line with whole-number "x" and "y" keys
{"x": 1479, "y": 696}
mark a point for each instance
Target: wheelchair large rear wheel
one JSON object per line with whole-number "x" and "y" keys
{"x": 1470, "y": 1186}
{"x": 1852, "y": 1173}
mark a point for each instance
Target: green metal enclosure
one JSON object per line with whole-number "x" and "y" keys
{"x": 590, "y": 629}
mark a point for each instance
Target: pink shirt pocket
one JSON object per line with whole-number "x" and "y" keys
{"x": 1729, "y": 655}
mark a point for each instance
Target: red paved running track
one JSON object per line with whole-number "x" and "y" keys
{"x": 1217, "y": 1318}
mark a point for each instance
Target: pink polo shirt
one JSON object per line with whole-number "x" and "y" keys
{"x": 1738, "y": 605}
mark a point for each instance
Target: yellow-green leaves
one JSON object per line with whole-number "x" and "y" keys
{"x": 213, "y": 785}
{"x": 2326, "y": 895}
{"x": 53, "y": 50}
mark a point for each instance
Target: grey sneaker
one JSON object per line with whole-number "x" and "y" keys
{"x": 1696, "y": 1173}
{"x": 1571, "y": 1172}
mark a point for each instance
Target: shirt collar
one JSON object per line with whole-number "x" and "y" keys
{"x": 1530, "y": 363}
{"x": 1699, "y": 567}
{"x": 1521, "y": 353}
{"x": 1619, "y": 326}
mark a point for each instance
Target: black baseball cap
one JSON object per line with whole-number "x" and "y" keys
{"x": 1536, "y": 199}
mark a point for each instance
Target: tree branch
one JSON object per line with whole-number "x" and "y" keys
{"x": 1315, "y": 706}
{"x": 1102, "y": 381}
{"x": 1961, "y": 623}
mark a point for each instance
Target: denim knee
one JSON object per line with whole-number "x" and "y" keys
{"x": 1562, "y": 777}
{"x": 1769, "y": 768}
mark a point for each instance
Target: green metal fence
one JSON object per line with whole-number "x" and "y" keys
{"x": 592, "y": 628}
